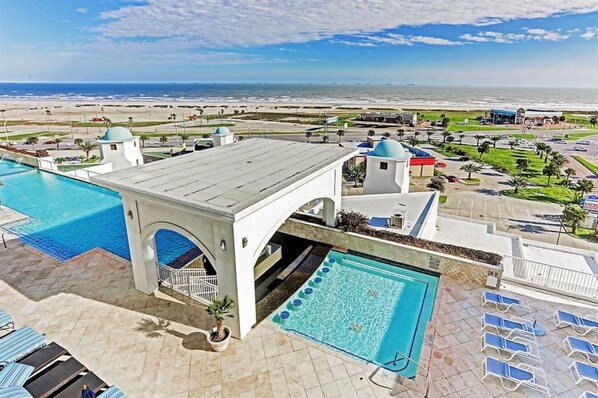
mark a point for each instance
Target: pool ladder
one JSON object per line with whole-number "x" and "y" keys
{"x": 400, "y": 356}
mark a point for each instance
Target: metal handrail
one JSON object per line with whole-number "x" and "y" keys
{"x": 394, "y": 362}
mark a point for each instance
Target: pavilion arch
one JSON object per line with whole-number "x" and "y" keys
{"x": 149, "y": 232}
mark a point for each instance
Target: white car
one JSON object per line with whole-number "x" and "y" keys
{"x": 580, "y": 149}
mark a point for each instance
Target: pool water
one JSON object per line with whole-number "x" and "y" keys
{"x": 69, "y": 217}
{"x": 364, "y": 308}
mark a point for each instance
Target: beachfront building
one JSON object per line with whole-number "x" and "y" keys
{"x": 391, "y": 118}
{"x": 120, "y": 148}
{"x": 524, "y": 116}
{"x": 387, "y": 168}
{"x": 229, "y": 201}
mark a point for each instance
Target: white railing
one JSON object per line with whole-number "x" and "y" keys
{"x": 192, "y": 282}
{"x": 551, "y": 277}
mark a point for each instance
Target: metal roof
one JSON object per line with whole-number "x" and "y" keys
{"x": 229, "y": 178}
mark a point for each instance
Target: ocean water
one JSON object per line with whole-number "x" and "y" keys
{"x": 334, "y": 94}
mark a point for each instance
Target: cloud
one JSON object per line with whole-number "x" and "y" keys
{"x": 590, "y": 33}
{"x": 82, "y": 10}
{"x": 394, "y": 39}
{"x": 509, "y": 38}
{"x": 224, "y": 23}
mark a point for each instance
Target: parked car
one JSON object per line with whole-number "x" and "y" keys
{"x": 464, "y": 158}
{"x": 583, "y": 142}
{"x": 441, "y": 165}
{"x": 50, "y": 142}
{"x": 580, "y": 149}
{"x": 485, "y": 166}
{"x": 452, "y": 179}
{"x": 560, "y": 141}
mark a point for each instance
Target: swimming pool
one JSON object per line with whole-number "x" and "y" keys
{"x": 364, "y": 308}
{"x": 69, "y": 217}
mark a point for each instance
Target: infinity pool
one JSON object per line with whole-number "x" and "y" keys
{"x": 69, "y": 217}
{"x": 370, "y": 310}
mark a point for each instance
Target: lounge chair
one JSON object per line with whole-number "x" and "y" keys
{"x": 588, "y": 394}
{"x": 14, "y": 392}
{"x": 575, "y": 344}
{"x": 582, "y": 371}
{"x": 6, "y": 321}
{"x": 512, "y": 325}
{"x": 49, "y": 382}
{"x": 112, "y": 392}
{"x": 93, "y": 382}
{"x": 586, "y": 323}
{"x": 522, "y": 375}
{"x": 504, "y": 302}
{"x": 14, "y": 375}
{"x": 515, "y": 346}
{"x": 43, "y": 357}
{"x": 19, "y": 343}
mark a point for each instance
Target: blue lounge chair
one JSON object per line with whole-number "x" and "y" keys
{"x": 515, "y": 346}
{"x": 588, "y": 394}
{"x": 15, "y": 375}
{"x": 6, "y": 321}
{"x": 522, "y": 375}
{"x": 112, "y": 392}
{"x": 584, "y": 347}
{"x": 14, "y": 392}
{"x": 586, "y": 323}
{"x": 512, "y": 325}
{"x": 504, "y": 302}
{"x": 582, "y": 371}
{"x": 19, "y": 343}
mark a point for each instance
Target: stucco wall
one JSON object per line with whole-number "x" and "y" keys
{"x": 25, "y": 159}
{"x": 428, "y": 227}
{"x": 449, "y": 266}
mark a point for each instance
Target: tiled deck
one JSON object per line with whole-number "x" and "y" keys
{"x": 156, "y": 346}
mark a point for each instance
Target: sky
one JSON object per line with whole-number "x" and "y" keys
{"x": 550, "y": 43}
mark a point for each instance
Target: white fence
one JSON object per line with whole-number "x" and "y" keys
{"x": 192, "y": 282}
{"x": 551, "y": 277}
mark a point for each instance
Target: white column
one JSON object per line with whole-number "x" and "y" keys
{"x": 143, "y": 254}
{"x": 332, "y": 206}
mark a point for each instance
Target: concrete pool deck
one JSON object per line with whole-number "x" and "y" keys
{"x": 156, "y": 345}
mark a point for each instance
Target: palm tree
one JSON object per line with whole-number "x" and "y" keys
{"x": 173, "y": 118}
{"x": 437, "y": 184}
{"x": 340, "y": 134}
{"x": 48, "y": 114}
{"x": 32, "y": 140}
{"x": 78, "y": 141}
{"x": 574, "y": 215}
{"x": 522, "y": 165}
{"x": 484, "y": 148}
{"x": 58, "y": 140}
{"x": 445, "y": 134}
{"x": 547, "y": 151}
{"x": 584, "y": 186}
{"x": 107, "y": 122}
{"x": 494, "y": 139}
{"x": 356, "y": 172}
{"x": 430, "y": 133}
{"x": 400, "y": 134}
{"x": 413, "y": 141}
{"x": 184, "y": 137}
{"x": 550, "y": 170}
{"x": 461, "y": 136}
{"x": 130, "y": 124}
{"x": 445, "y": 121}
{"x": 416, "y": 133}
{"x": 87, "y": 146}
{"x": 387, "y": 134}
{"x": 470, "y": 168}
{"x": 308, "y": 135}
{"x": 512, "y": 144}
{"x": 219, "y": 309}
{"x": 478, "y": 138}
{"x": 163, "y": 139}
{"x": 371, "y": 133}
{"x": 569, "y": 172}
{"x": 325, "y": 139}
{"x": 143, "y": 138}
{"x": 593, "y": 121}
{"x": 450, "y": 139}
{"x": 540, "y": 147}
{"x": 558, "y": 159}
{"x": 517, "y": 182}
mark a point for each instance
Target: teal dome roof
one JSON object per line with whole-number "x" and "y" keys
{"x": 221, "y": 131}
{"x": 117, "y": 134}
{"x": 389, "y": 149}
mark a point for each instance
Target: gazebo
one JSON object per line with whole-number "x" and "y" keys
{"x": 229, "y": 201}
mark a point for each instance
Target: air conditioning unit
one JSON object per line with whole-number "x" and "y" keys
{"x": 397, "y": 220}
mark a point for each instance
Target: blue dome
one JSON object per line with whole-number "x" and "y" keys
{"x": 389, "y": 149}
{"x": 221, "y": 131}
{"x": 117, "y": 134}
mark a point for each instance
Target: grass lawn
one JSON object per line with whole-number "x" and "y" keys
{"x": 40, "y": 134}
{"x": 524, "y": 136}
{"x": 442, "y": 199}
{"x": 122, "y": 124}
{"x": 474, "y": 127}
{"x": 506, "y": 159}
{"x": 580, "y": 120}
{"x": 585, "y": 233}
{"x": 588, "y": 165}
{"x": 577, "y": 136}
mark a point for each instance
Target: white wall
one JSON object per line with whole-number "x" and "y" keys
{"x": 395, "y": 179}
{"x": 428, "y": 227}
{"x": 127, "y": 154}
{"x": 220, "y": 140}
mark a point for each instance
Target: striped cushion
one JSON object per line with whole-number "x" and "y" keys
{"x": 14, "y": 374}
{"x": 14, "y": 392}
{"x": 5, "y": 319}
{"x": 111, "y": 392}
{"x": 18, "y": 344}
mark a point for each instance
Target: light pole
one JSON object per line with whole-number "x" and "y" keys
{"x": 560, "y": 229}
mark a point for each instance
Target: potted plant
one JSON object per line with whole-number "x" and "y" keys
{"x": 220, "y": 336}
